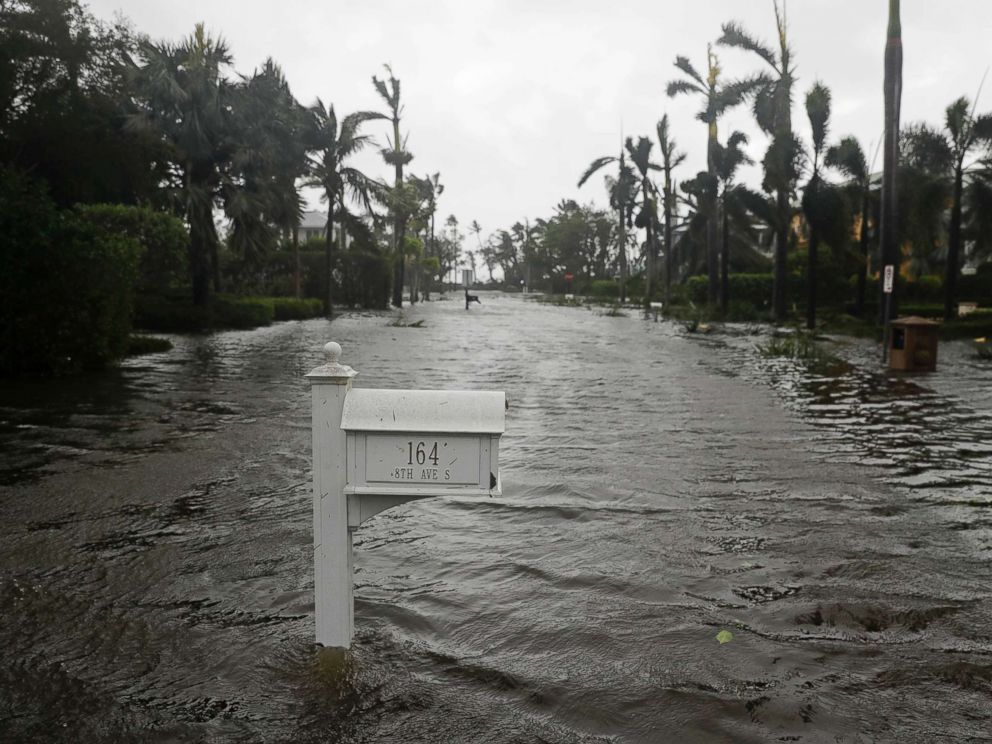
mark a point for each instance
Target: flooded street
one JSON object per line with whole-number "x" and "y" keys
{"x": 658, "y": 487}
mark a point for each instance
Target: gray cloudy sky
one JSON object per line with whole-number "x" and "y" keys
{"x": 511, "y": 99}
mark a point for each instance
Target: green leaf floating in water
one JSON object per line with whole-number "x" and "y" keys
{"x": 725, "y": 636}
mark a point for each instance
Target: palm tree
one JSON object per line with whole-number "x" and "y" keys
{"x": 184, "y": 98}
{"x": 671, "y": 159}
{"x": 396, "y": 155}
{"x": 436, "y": 188}
{"x": 621, "y": 190}
{"x": 818, "y": 111}
{"x": 717, "y": 98}
{"x": 964, "y": 132}
{"x": 647, "y": 217}
{"x": 892, "y": 87}
{"x": 773, "y": 113}
{"x": 331, "y": 146}
{"x": 848, "y": 158}
{"x": 727, "y": 159}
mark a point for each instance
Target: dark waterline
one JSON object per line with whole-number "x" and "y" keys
{"x": 155, "y": 545}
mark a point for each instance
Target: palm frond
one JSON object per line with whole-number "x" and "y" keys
{"x": 594, "y": 166}
{"x": 848, "y": 158}
{"x": 685, "y": 65}
{"x": 734, "y": 35}
{"x": 675, "y": 87}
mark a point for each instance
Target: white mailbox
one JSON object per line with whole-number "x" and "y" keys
{"x": 410, "y": 444}
{"x": 373, "y": 449}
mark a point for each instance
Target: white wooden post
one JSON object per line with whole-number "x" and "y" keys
{"x": 332, "y": 581}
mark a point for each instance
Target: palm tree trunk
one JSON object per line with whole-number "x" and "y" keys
{"x": 622, "y": 254}
{"x": 399, "y": 222}
{"x": 859, "y": 306}
{"x": 669, "y": 262}
{"x": 712, "y": 268}
{"x": 890, "y": 162}
{"x": 296, "y": 259}
{"x": 811, "y": 271}
{"x": 328, "y": 255}
{"x": 952, "y": 268}
{"x": 781, "y": 254}
{"x": 725, "y": 260}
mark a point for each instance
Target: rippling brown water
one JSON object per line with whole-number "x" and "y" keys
{"x": 155, "y": 567}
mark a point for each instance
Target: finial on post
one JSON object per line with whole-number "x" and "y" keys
{"x": 332, "y": 371}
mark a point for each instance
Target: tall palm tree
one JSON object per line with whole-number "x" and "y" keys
{"x": 773, "y": 113}
{"x": 184, "y": 98}
{"x": 647, "y": 216}
{"x": 892, "y": 87}
{"x": 717, "y": 98}
{"x": 331, "y": 147}
{"x": 964, "y": 132}
{"x": 621, "y": 190}
{"x": 671, "y": 158}
{"x": 727, "y": 159}
{"x": 396, "y": 155}
{"x": 848, "y": 158}
{"x": 818, "y": 111}
{"x": 436, "y": 189}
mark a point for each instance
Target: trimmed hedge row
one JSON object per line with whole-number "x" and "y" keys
{"x": 66, "y": 287}
{"x": 169, "y": 314}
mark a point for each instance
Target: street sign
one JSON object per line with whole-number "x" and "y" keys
{"x": 889, "y": 276}
{"x": 569, "y": 277}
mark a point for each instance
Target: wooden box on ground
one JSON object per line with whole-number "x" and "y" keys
{"x": 913, "y": 344}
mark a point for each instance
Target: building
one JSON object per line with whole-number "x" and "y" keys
{"x": 312, "y": 225}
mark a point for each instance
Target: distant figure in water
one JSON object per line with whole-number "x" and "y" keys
{"x": 469, "y": 299}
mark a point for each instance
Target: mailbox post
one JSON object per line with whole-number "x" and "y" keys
{"x": 374, "y": 449}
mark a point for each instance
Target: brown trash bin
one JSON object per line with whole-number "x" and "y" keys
{"x": 913, "y": 344}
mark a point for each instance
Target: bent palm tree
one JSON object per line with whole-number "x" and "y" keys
{"x": 848, "y": 158}
{"x": 621, "y": 190}
{"x": 331, "y": 147}
{"x": 727, "y": 160}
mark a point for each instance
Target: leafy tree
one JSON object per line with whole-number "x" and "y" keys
{"x": 773, "y": 113}
{"x": 332, "y": 145}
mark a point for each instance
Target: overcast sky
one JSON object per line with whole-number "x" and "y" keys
{"x": 511, "y": 99}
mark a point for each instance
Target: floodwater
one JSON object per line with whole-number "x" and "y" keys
{"x": 658, "y": 487}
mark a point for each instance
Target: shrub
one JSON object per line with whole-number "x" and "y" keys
{"x": 163, "y": 238}
{"x": 227, "y": 311}
{"x": 66, "y": 288}
{"x": 602, "y": 288}
{"x": 137, "y": 345}
{"x": 289, "y": 308}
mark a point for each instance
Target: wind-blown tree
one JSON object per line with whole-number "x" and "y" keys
{"x": 815, "y": 194}
{"x": 892, "y": 89}
{"x": 621, "y": 190}
{"x": 397, "y": 156}
{"x": 261, "y": 197}
{"x": 848, "y": 158}
{"x": 727, "y": 159}
{"x": 184, "y": 98}
{"x": 717, "y": 98}
{"x": 332, "y": 145}
{"x": 647, "y": 215}
{"x": 436, "y": 188}
{"x": 772, "y": 107}
{"x": 671, "y": 158}
{"x": 965, "y": 133}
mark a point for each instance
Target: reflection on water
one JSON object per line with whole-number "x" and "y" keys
{"x": 155, "y": 547}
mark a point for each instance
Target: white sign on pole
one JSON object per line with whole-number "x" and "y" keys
{"x": 889, "y": 276}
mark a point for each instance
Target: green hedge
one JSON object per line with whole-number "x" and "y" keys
{"x": 66, "y": 284}
{"x": 169, "y": 313}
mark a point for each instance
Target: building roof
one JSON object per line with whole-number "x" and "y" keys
{"x": 314, "y": 220}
